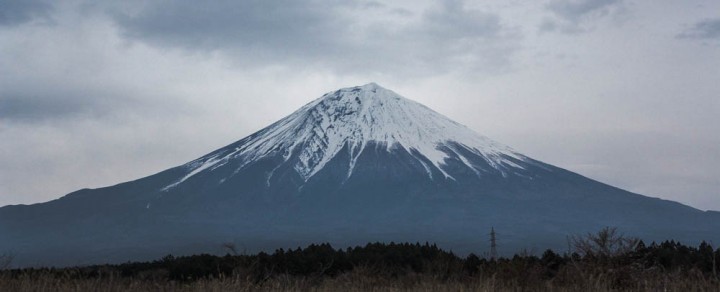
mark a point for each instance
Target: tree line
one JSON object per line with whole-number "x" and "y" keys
{"x": 622, "y": 262}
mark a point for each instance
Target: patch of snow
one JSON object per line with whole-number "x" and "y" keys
{"x": 267, "y": 182}
{"x": 202, "y": 166}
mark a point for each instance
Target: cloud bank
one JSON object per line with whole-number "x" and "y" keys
{"x": 335, "y": 35}
{"x": 707, "y": 29}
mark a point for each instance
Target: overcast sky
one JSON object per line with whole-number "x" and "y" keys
{"x": 94, "y": 93}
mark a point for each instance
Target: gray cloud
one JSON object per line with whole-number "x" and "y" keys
{"x": 34, "y": 108}
{"x": 708, "y": 29}
{"x": 330, "y": 35}
{"x": 258, "y": 27}
{"x": 454, "y": 21}
{"x": 576, "y": 10}
{"x": 454, "y": 36}
{"x": 15, "y": 12}
{"x": 42, "y": 104}
{"x": 570, "y": 16}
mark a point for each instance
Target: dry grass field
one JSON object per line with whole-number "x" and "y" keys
{"x": 352, "y": 281}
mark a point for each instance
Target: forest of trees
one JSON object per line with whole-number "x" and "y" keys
{"x": 604, "y": 260}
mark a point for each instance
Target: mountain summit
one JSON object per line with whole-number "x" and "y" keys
{"x": 357, "y": 165}
{"x": 349, "y": 120}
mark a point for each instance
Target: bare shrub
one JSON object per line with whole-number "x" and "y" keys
{"x": 230, "y": 247}
{"x": 5, "y": 260}
{"x": 608, "y": 242}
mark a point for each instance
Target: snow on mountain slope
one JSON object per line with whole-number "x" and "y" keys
{"x": 353, "y": 117}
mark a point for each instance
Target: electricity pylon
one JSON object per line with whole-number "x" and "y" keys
{"x": 493, "y": 244}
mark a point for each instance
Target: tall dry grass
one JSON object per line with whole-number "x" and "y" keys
{"x": 356, "y": 280}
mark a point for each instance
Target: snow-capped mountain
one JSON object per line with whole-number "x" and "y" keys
{"x": 356, "y": 165}
{"x": 349, "y": 120}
